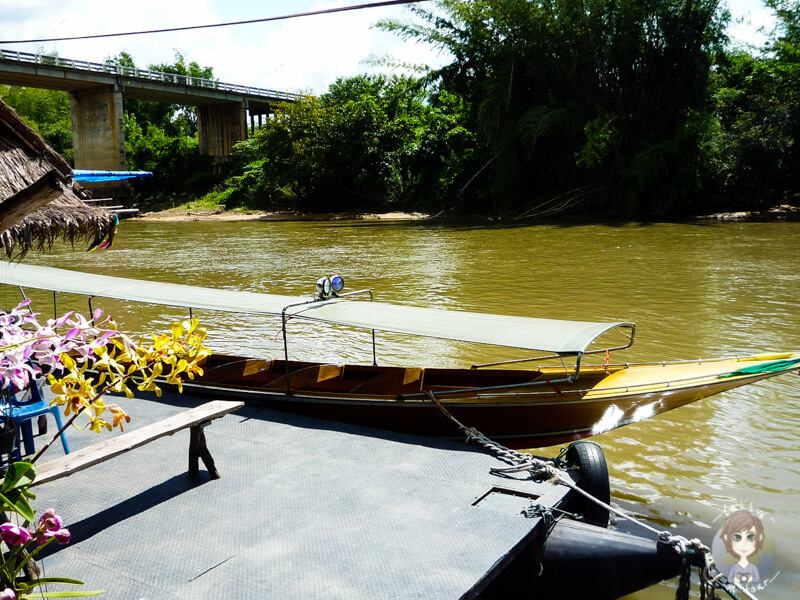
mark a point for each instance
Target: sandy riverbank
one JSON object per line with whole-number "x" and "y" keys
{"x": 218, "y": 215}
{"x": 777, "y": 213}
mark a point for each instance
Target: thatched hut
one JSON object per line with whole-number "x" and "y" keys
{"x": 39, "y": 202}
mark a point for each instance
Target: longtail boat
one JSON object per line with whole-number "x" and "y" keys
{"x": 519, "y": 406}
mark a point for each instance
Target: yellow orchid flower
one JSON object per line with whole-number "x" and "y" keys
{"x": 121, "y": 362}
{"x": 68, "y": 362}
{"x": 97, "y": 425}
{"x": 120, "y": 416}
{"x": 98, "y": 406}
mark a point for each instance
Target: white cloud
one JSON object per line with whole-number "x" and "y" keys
{"x": 300, "y": 54}
{"x": 751, "y": 22}
{"x": 306, "y": 53}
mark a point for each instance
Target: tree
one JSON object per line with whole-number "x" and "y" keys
{"x": 162, "y": 137}
{"x": 184, "y": 118}
{"x": 174, "y": 119}
{"x": 569, "y": 96}
{"x": 751, "y": 154}
{"x": 786, "y": 46}
{"x": 46, "y": 111}
{"x": 369, "y": 143}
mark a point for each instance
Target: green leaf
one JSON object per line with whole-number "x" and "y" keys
{"x": 16, "y": 501}
{"x": 19, "y": 475}
{"x": 47, "y": 580}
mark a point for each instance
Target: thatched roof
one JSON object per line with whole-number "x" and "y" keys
{"x": 39, "y": 202}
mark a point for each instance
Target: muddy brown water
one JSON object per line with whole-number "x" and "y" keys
{"x": 693, "y": 290}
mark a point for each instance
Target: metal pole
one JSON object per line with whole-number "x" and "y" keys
{"x": 310, "y": 302}
{"x": 286, "y": 351}
{"x": 577, "y": 367}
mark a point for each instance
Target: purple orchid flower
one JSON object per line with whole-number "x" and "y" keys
{"x": 14, "y": 535}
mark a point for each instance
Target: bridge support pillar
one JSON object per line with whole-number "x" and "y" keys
{"x": 219, "y": 127}
{"x": 98, "y": 134}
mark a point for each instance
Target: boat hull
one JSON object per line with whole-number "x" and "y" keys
{"x": 526, "y": 417}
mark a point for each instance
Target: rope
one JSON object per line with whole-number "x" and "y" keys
{"x": 519, "y": 460}
{"x": 549, "y": 520}
{"x": 693, "y": 552}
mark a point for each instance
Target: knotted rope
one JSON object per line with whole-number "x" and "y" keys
{"x": 693, "y": 552}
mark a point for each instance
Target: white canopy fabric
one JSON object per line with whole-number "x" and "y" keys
{"x": 562, "y": 337}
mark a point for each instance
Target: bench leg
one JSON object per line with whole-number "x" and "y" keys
{"x": 198, "y": 450}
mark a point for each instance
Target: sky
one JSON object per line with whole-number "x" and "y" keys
{"x": 298, "y": 55}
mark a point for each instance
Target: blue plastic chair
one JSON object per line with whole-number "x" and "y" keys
{"x": 23, "y": 413}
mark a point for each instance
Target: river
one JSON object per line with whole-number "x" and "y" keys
{"x": 694, "y": 290}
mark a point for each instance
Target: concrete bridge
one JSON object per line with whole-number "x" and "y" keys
{"x": 96, "y": 91}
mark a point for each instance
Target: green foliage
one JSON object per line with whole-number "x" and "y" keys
{"x": 369, "y": 143}
{"x": 568, "y": 94}
{"x": 46, "y": 111}
{"x": 631, "y": 107}
{"x": 23, "y": 544}
{"x": 175, "y": 119}
{"x": 601, "y": 140}
{"x": 751, "y": 154}
{"x": 175, "y": 162}
{"x": 162, "y": 138}
{"x": 14, "y": 494}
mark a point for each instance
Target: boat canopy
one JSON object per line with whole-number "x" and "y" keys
{"x": 548, "y": 335}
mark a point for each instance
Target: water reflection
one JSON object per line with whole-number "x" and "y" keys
{"x": 693, "y": 290}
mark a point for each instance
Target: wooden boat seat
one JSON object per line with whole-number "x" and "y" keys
{"x": 393, "y": 382}
{"x": 237, "y": 369}
{"x": 307, "y": 376}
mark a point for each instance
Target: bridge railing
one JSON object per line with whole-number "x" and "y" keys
{"x": 112, "y": 69}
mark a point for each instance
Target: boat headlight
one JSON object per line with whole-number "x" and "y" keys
{"x": 337, "y": 283}
{"x": 323, "y": 287}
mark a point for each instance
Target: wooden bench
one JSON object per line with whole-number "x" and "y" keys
{"x": 194, "y": 419}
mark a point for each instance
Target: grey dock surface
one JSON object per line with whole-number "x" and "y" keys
{"x": 305, "y": 509}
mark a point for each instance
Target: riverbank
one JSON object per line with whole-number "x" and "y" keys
{"x": 257, "y": 215}
{"x": 782, "y": 212}
{"x": 777, "y": 213}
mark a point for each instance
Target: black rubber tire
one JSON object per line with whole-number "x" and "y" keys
{"x": 591, "y": 463}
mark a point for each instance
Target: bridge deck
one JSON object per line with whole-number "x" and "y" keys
{"x": 54, "y": 72}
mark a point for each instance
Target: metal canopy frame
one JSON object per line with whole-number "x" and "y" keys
{"x": 567, "y": 379}
{"x": 316, "y": 301}
{"x": 630, "y": 337}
